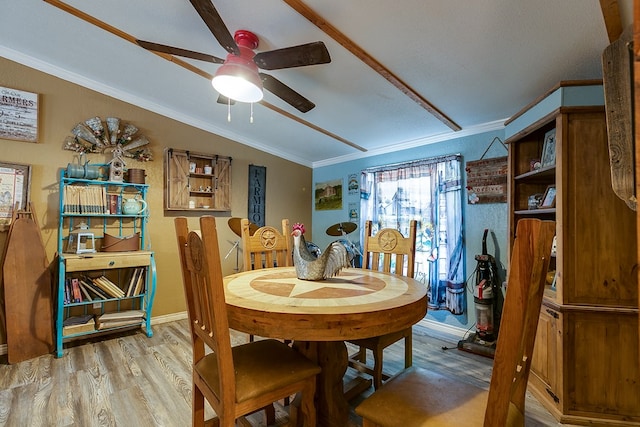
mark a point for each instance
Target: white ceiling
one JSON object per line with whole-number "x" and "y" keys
{"x": 478, "y": 62}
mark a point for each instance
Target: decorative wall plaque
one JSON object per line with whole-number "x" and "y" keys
{"x": 487, "y": 180}
{"x": 18, "y": 115}
{"x": 95, "y": 136}
{"x": 257, "y": 189}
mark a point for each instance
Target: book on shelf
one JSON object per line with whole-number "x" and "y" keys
{"x": 88, "y": 284}
{"x": 136, "y": 284}
{"x": 120, "y": 318}
{"x": 75, "y": 291}
{"x": 131, "y": 282}
{"x": 108, "y": 286}
{"x": 67, "y": 291}
{"x": 78, "y": 324}
{"x": 86, "y": 295}
{"x": 79, "y": 199}
{"x": 115, "y": 204}
{"x": 121, "y": 315}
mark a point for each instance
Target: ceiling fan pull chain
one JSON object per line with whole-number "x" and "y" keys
{"x": 228, "y": 109}
{"x": 251, "y": 118}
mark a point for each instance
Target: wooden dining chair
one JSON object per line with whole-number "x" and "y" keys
{"x": 419, "y": 397}
{"x": 240, "y": 380}
{"x": 266, "y": 247}
{"x": 387, "y": 251}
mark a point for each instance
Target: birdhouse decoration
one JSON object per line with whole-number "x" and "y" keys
{"x": 116, "y": 166}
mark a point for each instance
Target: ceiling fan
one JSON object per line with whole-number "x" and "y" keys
{"x": 242, "y": 62}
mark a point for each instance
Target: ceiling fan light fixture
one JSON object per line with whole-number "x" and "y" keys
{"x": 239, "y": 88}
{"x": 238, "y": 77}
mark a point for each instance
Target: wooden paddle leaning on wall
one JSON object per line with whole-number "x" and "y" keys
{"x": 28, "y": 300}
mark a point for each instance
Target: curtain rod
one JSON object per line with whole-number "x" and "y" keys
{"x": 420, "y": 162}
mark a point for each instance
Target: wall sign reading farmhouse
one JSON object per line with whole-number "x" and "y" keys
{"x": 18, "y": 115}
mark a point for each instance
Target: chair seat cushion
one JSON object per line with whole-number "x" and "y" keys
{"x": 420, "y": 398}
{"x": 261, "y": 366}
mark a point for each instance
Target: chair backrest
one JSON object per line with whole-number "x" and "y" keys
{"x": 514, "y": 349}
{"x": 266, "y": 247}
{"x": 390, "y": 245}
{"x": 206, "y": 307}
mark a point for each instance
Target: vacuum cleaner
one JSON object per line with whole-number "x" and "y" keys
{"x": 485, "y": 297}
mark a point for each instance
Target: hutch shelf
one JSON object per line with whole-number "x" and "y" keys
{"x": 197, "y": 181}
{"x": 585, "y": 365}
{"x": 106, "y": 272}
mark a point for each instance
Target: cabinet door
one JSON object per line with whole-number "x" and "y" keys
{"x": 602, "y": 364}
{"x": 223, "y": 184}
{"x": 598, "y": 229}
{"x": 546, "y": 365}
{"x": 177, "y": 182}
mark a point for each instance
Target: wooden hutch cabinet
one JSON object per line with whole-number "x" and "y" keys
{"x": 197, "y": 181}
{"x": 585, "y": 367}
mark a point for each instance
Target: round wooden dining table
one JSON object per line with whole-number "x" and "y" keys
{"x": 320, "y": 315}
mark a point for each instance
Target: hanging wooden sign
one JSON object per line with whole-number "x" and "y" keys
{"x": 257, "y": 189}
{"x": 487, "y": 180}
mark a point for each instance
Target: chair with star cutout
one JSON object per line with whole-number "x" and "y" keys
{"x": 266, "y": 247}
{"x": 239, "y": 380}
{"x": 387, "y": 251}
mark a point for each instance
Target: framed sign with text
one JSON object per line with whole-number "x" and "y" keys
{"x": 257, "y": 189}
{"x": 18, "y": 115}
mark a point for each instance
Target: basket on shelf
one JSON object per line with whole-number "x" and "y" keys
{"x": 121, "y": 244}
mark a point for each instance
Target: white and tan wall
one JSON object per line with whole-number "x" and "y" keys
{"x": 63, "y": 104}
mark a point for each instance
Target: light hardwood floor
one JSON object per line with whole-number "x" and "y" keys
{"x": 132, "y": 380}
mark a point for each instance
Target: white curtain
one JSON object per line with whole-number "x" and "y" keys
{"x": 430, "y": 192}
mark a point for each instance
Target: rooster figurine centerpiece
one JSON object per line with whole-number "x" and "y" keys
{"x": 311, "y": 267}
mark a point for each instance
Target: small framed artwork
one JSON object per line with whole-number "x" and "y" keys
{"x": 328, "y": 195}
{"x": 549, "y": 198}
{"x": 549, "y": 149}
{"x": 15, "y": 185}
{"x": 19, "y": 112}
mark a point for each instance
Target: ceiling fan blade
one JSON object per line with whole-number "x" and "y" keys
{"x": 285, "y": 93}
{"x": 156, "y": 47}
{"x": 294, "y": 56}
{"x": 216, "y": 25}
{"x": 224, "y": 100}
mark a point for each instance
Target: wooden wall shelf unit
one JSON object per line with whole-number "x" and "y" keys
{"x": 196, "y": 181}
{"x": 585, "y": 365}
{"x": 115, "y": 285}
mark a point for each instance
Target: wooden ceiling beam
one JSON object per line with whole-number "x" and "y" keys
{"x": 612, "y": 19}
{"x": 356, "y": 50}
{"x": 128, "y": 37}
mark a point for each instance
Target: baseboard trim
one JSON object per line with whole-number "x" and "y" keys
{"x": 157, "y": 320}
{"x": 449, "y": 331}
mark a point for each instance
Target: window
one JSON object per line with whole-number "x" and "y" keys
{"x": 429, "y": 191}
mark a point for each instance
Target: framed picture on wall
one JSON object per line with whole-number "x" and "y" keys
{"x": 549, "y": 149}
{"x": 19, "y": 115}
{"x": 328, "y": 195}
{"x": 15, "y": 185}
